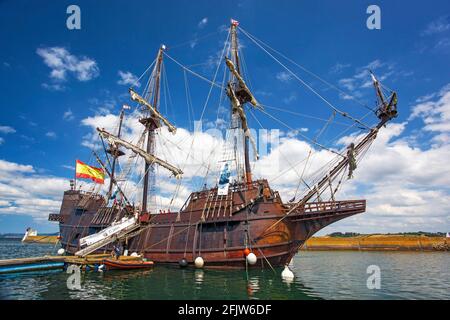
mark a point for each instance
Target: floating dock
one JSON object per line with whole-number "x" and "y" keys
{"x": 379, "y": 243}
{"x": 90, "y": 262}
{"x": 32, "y": 264}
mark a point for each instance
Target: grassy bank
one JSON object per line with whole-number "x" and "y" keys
{"x": 379, "y": 242}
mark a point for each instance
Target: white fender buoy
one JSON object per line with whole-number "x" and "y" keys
{"x": 61, "y": 251}
{"x": 251, "y": 258}
{"x": 287, "y": 274}
{"x": 199, "y": 263}
{"x": 101, "y": 268}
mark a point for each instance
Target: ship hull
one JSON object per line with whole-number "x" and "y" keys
{"x": 217, "y": 231}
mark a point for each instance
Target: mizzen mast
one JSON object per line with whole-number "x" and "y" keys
{"x": 115, "y": 152}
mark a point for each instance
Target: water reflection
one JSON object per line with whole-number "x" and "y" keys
{"x": 252, "y": 287}
{"x": 329, "y": 275}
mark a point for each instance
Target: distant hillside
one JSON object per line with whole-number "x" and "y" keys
{"x": 20, "y": 235}
{"x": 11, "y": 236}
{"x": 419, "y": 233}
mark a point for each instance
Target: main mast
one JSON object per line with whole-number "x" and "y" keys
{"x": 152, "y": 123}
{"x": 237, "y": 89}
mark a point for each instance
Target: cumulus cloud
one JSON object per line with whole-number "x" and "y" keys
{"x": 7, "y": 129}
{"x": 283, "y": 76}
{"x": 22, "y": 191}
{"x": 62, "y": 63}
{"x": 437, "y": 26}
{"x": 339, "y": 67}
{"x": 435, "y": 113}
{"x": 68, "y": 115}
{"x": 51, "y": 134}
{"x": 202, "y": 23}
{"x": 128, "y": 79}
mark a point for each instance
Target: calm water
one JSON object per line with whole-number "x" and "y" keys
{"x": 319, "y": 275}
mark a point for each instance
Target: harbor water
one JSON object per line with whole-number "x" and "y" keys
{"x": 318, "y": 275}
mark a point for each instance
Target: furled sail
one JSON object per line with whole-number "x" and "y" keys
{"x": 148, "y": 157}
{"x": 242, "y": 83}
{"x": 136, "y": 97}
{"x": 237, "y": 108}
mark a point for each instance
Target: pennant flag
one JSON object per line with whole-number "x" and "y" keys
{"x": 234, "y": 22}
{"x": 87, "y": 172}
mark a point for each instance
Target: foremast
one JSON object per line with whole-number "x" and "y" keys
{"x": 386, "y": 111}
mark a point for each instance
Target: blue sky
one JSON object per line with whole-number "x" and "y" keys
{"x": 42, "y": 113}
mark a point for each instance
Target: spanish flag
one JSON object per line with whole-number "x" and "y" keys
{"x": 82, "y": 170}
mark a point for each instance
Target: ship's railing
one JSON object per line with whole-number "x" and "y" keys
{"x": 55, "y": 217}
{"x": 234, "y": 187}
{"x": 335, "y": 206}
{"x": 92, "y": 195}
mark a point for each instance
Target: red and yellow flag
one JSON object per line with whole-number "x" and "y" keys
{"x": 82, "y": 170}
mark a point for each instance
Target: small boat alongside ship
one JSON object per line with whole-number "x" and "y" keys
{"x": 115, "y": 264}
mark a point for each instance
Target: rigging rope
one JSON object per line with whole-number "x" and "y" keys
{"x": 193, "y": 72}
{"x": 344, "y": 114}
{"x": 302, "y": 135}
{"x": 308, "y": 71}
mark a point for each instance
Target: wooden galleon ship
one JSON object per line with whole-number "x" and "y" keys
{"x": 223, "y": 224}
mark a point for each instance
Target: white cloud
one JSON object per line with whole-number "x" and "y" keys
{"x": 435, "y": 114}
{"x": 290, "y": 98}
{"x": 283, "y": 76}
{"x": 347, "y": 83}
{"x": 51, "y": 135}
{"x": 7, "y": 129}
{"x": 439, "y": 25}
{"x": 338, "y": 67}
{"x": 202, "y": 23}
{"x": 62, "y": 62}
{"x": 360, "y": 80}
{"x": 22, "y": 191}
{"x": 54, "y": 87}
{"x": 128, "y": 79}
{"x": 6, "y": 166}
{"x": 68, "y": 115}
